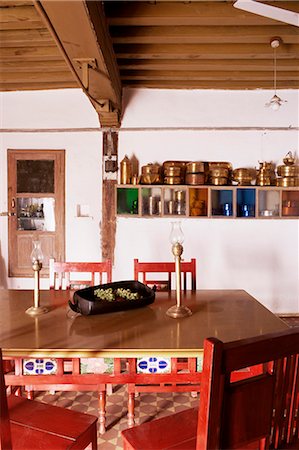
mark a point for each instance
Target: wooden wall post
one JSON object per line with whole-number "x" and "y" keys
{"x": 110, "y": 167}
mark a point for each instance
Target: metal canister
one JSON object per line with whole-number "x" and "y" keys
{"x": 125, "y": 170}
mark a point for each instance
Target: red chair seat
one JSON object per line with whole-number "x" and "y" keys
{"x": 71, "y": 425}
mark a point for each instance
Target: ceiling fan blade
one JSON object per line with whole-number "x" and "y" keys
{"x": 272, "y": 12}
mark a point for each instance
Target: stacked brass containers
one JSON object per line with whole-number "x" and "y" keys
{"x": 266, "y": 174}
{"x": 174, "y": 172}
{"x": 220, "y": 173}
{"x": 242, "y": 176}
{"x": 151, "y": 174}
{"x": 288, "y": 174}
{"x": 196, "y": 173}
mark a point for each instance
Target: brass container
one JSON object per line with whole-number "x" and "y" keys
{"x": 125, "y": 170}
{"x": 264, "y": 180}
{"x": 223, "y": 164}
{"x": 150, "y": 169}
{"x": 173, "y": 171}
{"x": 195, "y": 167}
{"x": 287, "y": 182}
{"x": 243, "y": 181}
{"x": 242, "y": 173}
{"x": 288, "y": 171}
{"x": 219, "y": 172}
{"x": 167, "y": 164}
{"x": 195, "y": 178}
{"x": 172, "y": 180}
{"x": 266, "y": 165}
{"x": 218, "y": 181}
{"x": 154, "y": 178}
{"x": 179, "y": 195}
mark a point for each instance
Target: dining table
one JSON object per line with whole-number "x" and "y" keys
{"x": 64, "y": 335}
{"x": 226, "y": 314}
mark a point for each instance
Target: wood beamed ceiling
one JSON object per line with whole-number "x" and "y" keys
{"x": 105, "y": 46}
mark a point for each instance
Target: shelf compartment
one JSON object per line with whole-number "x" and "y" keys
{"x": 127, "y": 201}
{"x": 174, "y": 201}
{"x": 245, "y": 202}
{"x": 151, "y": 201}
{"x": 290, "y": 203}
{"x": 268, "y": 203}
{"x": 198, "y": 202}
{"x": 222, "y": 202}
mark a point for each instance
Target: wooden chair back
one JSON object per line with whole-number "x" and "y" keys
{"x": 235, "y": 414}
{"x": 143, "y": 269}
{"x": 64, "y": 275}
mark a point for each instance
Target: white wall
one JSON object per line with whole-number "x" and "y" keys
{"x": 256, "y": 255}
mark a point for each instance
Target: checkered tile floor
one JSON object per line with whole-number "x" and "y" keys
{"x": 148, "y": 406}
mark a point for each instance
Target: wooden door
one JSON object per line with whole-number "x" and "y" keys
{"x": 36, "y": 189}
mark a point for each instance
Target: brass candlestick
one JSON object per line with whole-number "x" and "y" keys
{"x": 177, "y": 311}
{"x": 36, "y": 258}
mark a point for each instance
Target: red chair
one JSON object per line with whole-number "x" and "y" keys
{"x": 184, "y": 366}
{"x": 69, "y": 276}
{"x": 34, "y": 425}
{"x": 64, "y": 275}
{"x": 242, "y": 414}
{"x": 143, "y": 269}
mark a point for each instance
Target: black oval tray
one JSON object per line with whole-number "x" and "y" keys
{"x": 85, "y": 302}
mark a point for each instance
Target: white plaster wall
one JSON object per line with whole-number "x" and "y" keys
{"x": 83, "y": 150}
{"x": 257, "y": 255}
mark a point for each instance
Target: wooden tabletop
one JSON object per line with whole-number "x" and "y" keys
{"x": 226, "y": 314}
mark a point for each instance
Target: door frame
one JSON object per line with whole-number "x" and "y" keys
{"x": 58, "y": 236}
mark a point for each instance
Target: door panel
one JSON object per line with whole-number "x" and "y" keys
{"x": 36, "y": 190}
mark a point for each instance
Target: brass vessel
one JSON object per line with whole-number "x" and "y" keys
{"x": 195, "y": 167}
{"x": 288, "y": 171}
{"x": 287, "y": 182}
{"x": 195, "y": 179}
{"x": 125, "y": 170}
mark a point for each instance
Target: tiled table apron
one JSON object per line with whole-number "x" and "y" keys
{"x": 42, "y": 346}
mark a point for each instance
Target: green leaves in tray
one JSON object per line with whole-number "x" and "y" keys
{"x": 119, "y": 294}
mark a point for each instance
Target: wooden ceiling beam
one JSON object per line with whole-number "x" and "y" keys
{"x": 19, "y": 17}
{"x": 209, "y": 84}
{"x": 84, "y": 35}
{"x": 186, "y": 13}
{"x": 205, "y": 51}
{"x": 203, "y": 35}
{"x": 24, "y": 38}
{"x": 27, "y": 86}
{"x": 207, "y": 64}
{"x": 30, "y": 53}
{"x": 206, "y": 75}
{"x": 39, "y": 77}
{"x": 33, "y": 66}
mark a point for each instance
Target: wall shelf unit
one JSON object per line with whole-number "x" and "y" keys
{"x": 241, "y": 202}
